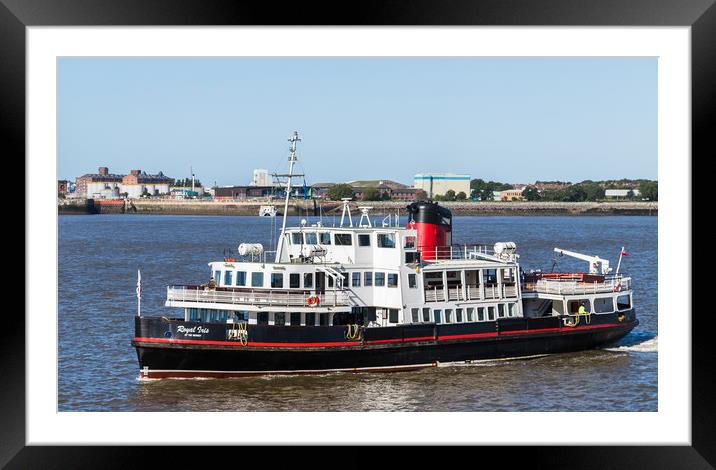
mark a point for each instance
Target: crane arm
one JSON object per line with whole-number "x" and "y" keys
{"x": 593, "y": 261}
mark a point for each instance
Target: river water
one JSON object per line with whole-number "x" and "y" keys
{"x": 98, "y": 371}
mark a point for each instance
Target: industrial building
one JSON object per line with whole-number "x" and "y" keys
{"x": 109, "y": 185}
{"x": 261, "y": 178}
{"x": 437, "y": 184}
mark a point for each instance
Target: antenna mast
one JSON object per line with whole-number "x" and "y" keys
{"x": 294, "y": 139}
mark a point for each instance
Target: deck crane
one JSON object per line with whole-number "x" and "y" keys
{"x": 594, "y": 261}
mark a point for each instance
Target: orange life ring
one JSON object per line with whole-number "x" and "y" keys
{"x": 312, "y": 300}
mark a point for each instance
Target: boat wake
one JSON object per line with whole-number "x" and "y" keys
{"x": 637, "y": 342}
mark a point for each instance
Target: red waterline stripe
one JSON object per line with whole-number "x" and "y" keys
{"x": 237, "y": 343}
{"x": 419, "y": 338}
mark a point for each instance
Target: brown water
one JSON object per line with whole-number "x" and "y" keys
{"x": 98, "y": 370}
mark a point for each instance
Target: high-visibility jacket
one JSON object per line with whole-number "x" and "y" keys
{"x": 582, "y": 310}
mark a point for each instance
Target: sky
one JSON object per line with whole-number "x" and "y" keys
{"x": 515, "y": 120}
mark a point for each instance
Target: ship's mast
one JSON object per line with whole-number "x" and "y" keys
{"x": 294, "y": 139}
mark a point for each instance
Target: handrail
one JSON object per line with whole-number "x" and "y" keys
{"x": 567, "y": 286}
{"x": 255, "y": 297}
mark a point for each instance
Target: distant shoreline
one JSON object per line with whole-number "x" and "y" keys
{"x": 331, "y": 208}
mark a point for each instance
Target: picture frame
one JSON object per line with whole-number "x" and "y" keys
{"x": 16, "y": 16}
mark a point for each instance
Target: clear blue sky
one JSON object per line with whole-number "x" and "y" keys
{"x": 510, "y": 120}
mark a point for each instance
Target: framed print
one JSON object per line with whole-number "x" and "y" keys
{"x": 626, "y": 89}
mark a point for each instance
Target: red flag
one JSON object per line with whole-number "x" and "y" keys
{"x": 624, "y": 253}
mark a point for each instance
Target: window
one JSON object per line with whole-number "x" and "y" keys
{"x": 344, "y": 279}
{"x": 279, "y": 319}
{"x": 386, "y": 240}
{"x": 491, "y": 313}
{"x": 412, "y": 257}
{"x": 311, "y": 238}
{"x": 480, "y": 313}
{"x": 217, "y": 276}
{"x": 458, "y": 315}
{"x": 392, "y": 280}
{"x": 203, "y": 314}
{"x": 193, "y": 314}
{"x": 448, "y": 315}
{"x": 574, "y": 305}
{"x": 295, "y": 318}
{"x": 363, "y": 239}
{"x": 379, "y": 279}
{"x": 325, "y": 238}
{"x": 222, "y": 316}
{"x": 307, "y": 280}
{"x": 343, "y": 239}
{"x": 414, "y": 314}
{"x": 277, "y": 280}
{"x": 330, "y": 281}
{"x": 296, "y": 238}
{"x": 500, "y": 310}
{"x": 510, "y": 310}
{"x": 368, "y": 279}
{"x": 393, "y": 315}
{"x": 411, "y": 281}
{"x": 623, "y": 302}
{"x": 242, "y": 316}
{"x": 213, "y": 315}
{"x": 436, "y": 314}
{"x": 240, "y": 278}
{"x": 470, "y": 314}
{"x": 227, "y": 278}
{"x": 603, "y": 305}
{"x": 257, "y": 279}
{"x": 410, "y": 242}
{"x": 426, "y": 314}
{"x": 355, "y": 279}
{"x": 294, "y": 280}
{"x": 490, "y": 276}
{"x": 323, "y": 319}
{"x": 310, "y": 319}
{"x": 262, "y": 318}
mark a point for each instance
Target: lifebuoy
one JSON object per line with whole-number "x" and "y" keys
{"x": 312, "y": 300}
{"x": 618, "y": 287}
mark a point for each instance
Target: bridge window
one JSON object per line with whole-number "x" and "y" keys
{"x": 294, "y": 280}
{"x": 262, "y": 318}
{"x": 426, "y": 314}
{"x": 240, "y": 278}
{"x": 368, "y": 279}
{"x": 308, "y": 280}
{"x": 310, "y": 319}
{"x": 295, "y": 318}
{"x": 325, "y": 238}
{"x": 379, "y": 279}
{"x": 410, "y": 242}
{"x": 415, "y": 313}
{"x": 311, "y": 238}
{"x": 279, "y": 319}
{"x": 296, "y": 238}
{"x": 257, "y": 279}
{"x": 393, "y": 315}
{"x": 490, "y": 276}
{"x": 355, "y": 279}
{"x": 277, "y": 280}
{"x": 392, "y": 280}
{"x": 343, "y": 239}
{"x": 386, "y": 240}
{"x": 363, "y": 239}
{"x": 227, "y": 278}
{"x": 217, "y": 276}
{"x": 623, "y": 302}
{"x": 411, "y": 281}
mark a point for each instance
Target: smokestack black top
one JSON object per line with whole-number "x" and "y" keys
{"x": 428, "y": 212}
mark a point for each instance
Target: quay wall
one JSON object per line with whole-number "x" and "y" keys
{"x": 332, "y": 208}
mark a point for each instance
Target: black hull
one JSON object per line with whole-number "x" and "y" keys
{"x": 170, "y": 348}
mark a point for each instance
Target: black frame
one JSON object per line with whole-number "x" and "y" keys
{"x": 700, "y": 15}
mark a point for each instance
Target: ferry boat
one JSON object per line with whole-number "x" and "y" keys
{"x": 362, "y": 296}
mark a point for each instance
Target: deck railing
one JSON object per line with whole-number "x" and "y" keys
{"x": 255, "y": 297}
{"x": 437, "y": 293}
{"x": 565, "y": 287}
{"x": 455, "y": 252}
